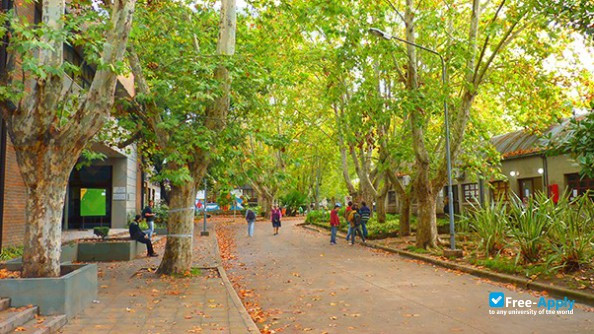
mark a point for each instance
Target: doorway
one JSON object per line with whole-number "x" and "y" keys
{"x": 89, "y": 197}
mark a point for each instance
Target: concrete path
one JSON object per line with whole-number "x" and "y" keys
{"x": 305, "y": 284}
{"x": 133, "y": 299}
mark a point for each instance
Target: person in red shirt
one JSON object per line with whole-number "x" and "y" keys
{"x": 334, "y": 223}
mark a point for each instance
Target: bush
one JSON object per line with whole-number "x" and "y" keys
{"x": 101, "y": 231}
{"x": 529, "y": 226}
{"x": 572, "y": 234}
{"x": 317, "y": 216}
{"x": 490, "y": 223}
{"x": 161, "y": 212}
{"x": 10, "y": 253}
{"x": 293, "y": 201}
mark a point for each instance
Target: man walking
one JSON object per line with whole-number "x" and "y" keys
{"x": 250, "y": 217}
{"x": 347, "y": 211}
{"x": 355, "y": 222}
{"x": 365, "y": 213}
{"x": 334, "y": 223}
{"x": 148, "y": 214}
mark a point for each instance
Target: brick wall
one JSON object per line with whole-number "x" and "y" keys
{"x": 13, "y": 228}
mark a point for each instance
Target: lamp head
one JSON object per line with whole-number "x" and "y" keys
{"x": 380, "y": 33}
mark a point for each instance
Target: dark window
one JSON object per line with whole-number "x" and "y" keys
{"x": 471, "y": 192}
{"x": 578, "y": 185}
{"x": 73, "y": 56}
{"x": 391, "y": 196}
{"x": 500, "y": 190}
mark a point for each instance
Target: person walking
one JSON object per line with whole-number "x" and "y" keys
{"x": 250, "y": 217}
{"x": 347, "y": 211}
{"x": 355, "y": 223}
{"x": 365, "y": 213}
{"x": 137, "y": 234}
{"x": 275, "y": 217}
{"x": 148, "y": 214}
{"x": 334, "y": 223}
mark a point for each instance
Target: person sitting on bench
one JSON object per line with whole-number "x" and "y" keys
{"x": 137, "y": 234}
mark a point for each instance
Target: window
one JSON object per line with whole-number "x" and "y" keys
{"x": 500, "y": 190}
{"x": 251, "y": 196}
{"x": 578, "y": 185}
{"x": 391, "y": 196}
{"x": 471, "y": 192}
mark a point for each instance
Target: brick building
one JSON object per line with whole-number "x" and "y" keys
{"x": 118, "y": 178}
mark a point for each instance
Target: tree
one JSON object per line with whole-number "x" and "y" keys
{"x": 49, "y": 122}
{"x": 184, "y": 113}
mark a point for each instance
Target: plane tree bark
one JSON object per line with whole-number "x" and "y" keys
{"x": 49, "y": 133}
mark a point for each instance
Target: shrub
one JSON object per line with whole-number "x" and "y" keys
{"x": 10, "y": 253}
{"x": 317, "y": 216}
{"x": 572, "y": 233}
{"x": 529, "y": 225}
{"x": 101, "y": 231}
{"x": 490, "y": 223}
{"x": 161, "y": 212}
{"x": 293, "y": 201}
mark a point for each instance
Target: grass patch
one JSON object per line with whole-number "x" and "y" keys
{"x": 10, "y": 253}
{"x": 417, "y": 250}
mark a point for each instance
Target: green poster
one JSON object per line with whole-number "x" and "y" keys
{"x": 92, "y": 202}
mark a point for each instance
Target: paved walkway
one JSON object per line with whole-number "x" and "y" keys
{"x": 304, "y": 284}
{"x": 133, "y": 299}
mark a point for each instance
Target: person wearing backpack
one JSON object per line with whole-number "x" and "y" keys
{"x": 347, "y": 211}
{"x": 250, "y": 217}
{"x": 275, "y": 217}
{"x": 355, "y": 223}
{"x": 365, "y": 213}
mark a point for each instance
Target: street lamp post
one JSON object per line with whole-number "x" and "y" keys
{"x": 204, "y": 232}
{"x": 386, "y": 36}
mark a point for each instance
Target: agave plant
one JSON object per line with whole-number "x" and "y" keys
{"x": 490, "y": 223}
{"x": 530, "y": 223}
{"x": 573, "y": 232}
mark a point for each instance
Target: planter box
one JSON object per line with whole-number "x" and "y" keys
{"x": 106, "y": 251}
{"x": 68, "y": 294}
{"x": 161, "y": 231}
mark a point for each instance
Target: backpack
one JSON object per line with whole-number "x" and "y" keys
{"x": 251, "y": 215}
{"x": 357, "y": 218}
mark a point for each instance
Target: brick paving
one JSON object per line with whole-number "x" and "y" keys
{"x": 133, "y": 299}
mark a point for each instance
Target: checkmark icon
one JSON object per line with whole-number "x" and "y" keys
{"x": 496, "y": 299}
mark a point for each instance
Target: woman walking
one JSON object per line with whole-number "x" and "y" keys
{"x": 275, "y": 217}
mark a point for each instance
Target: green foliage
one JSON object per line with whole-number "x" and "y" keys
{"x": 490, "y": 223}
{"x": 578, "y": 141}
{"x": 101, "y": 231}
{"x": 529, "y": 225}
{"x": 161, "y": 211}
{"x": 10, "y": 253}
{"x": 293, "y": 201}
{"x": 572, "y": 234}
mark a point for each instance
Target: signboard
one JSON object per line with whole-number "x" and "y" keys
{"x": 119, "y": 190}
{"x": 93, "y": 202}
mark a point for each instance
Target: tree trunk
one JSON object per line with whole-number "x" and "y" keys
{"x": 404, "y": 215}
{"x": 427, "y": 222}
{"x": 46, "y": 177}
{"x": 265, "y": 204}
{"x": 381, "y": 207}
{"x": 180, "y": 226}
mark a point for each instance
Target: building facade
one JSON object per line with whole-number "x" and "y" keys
{"x": 527, "y": 168}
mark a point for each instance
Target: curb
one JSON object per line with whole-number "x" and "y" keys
{"x": 552, "y": 290}
{"x": 247, "y": 319}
